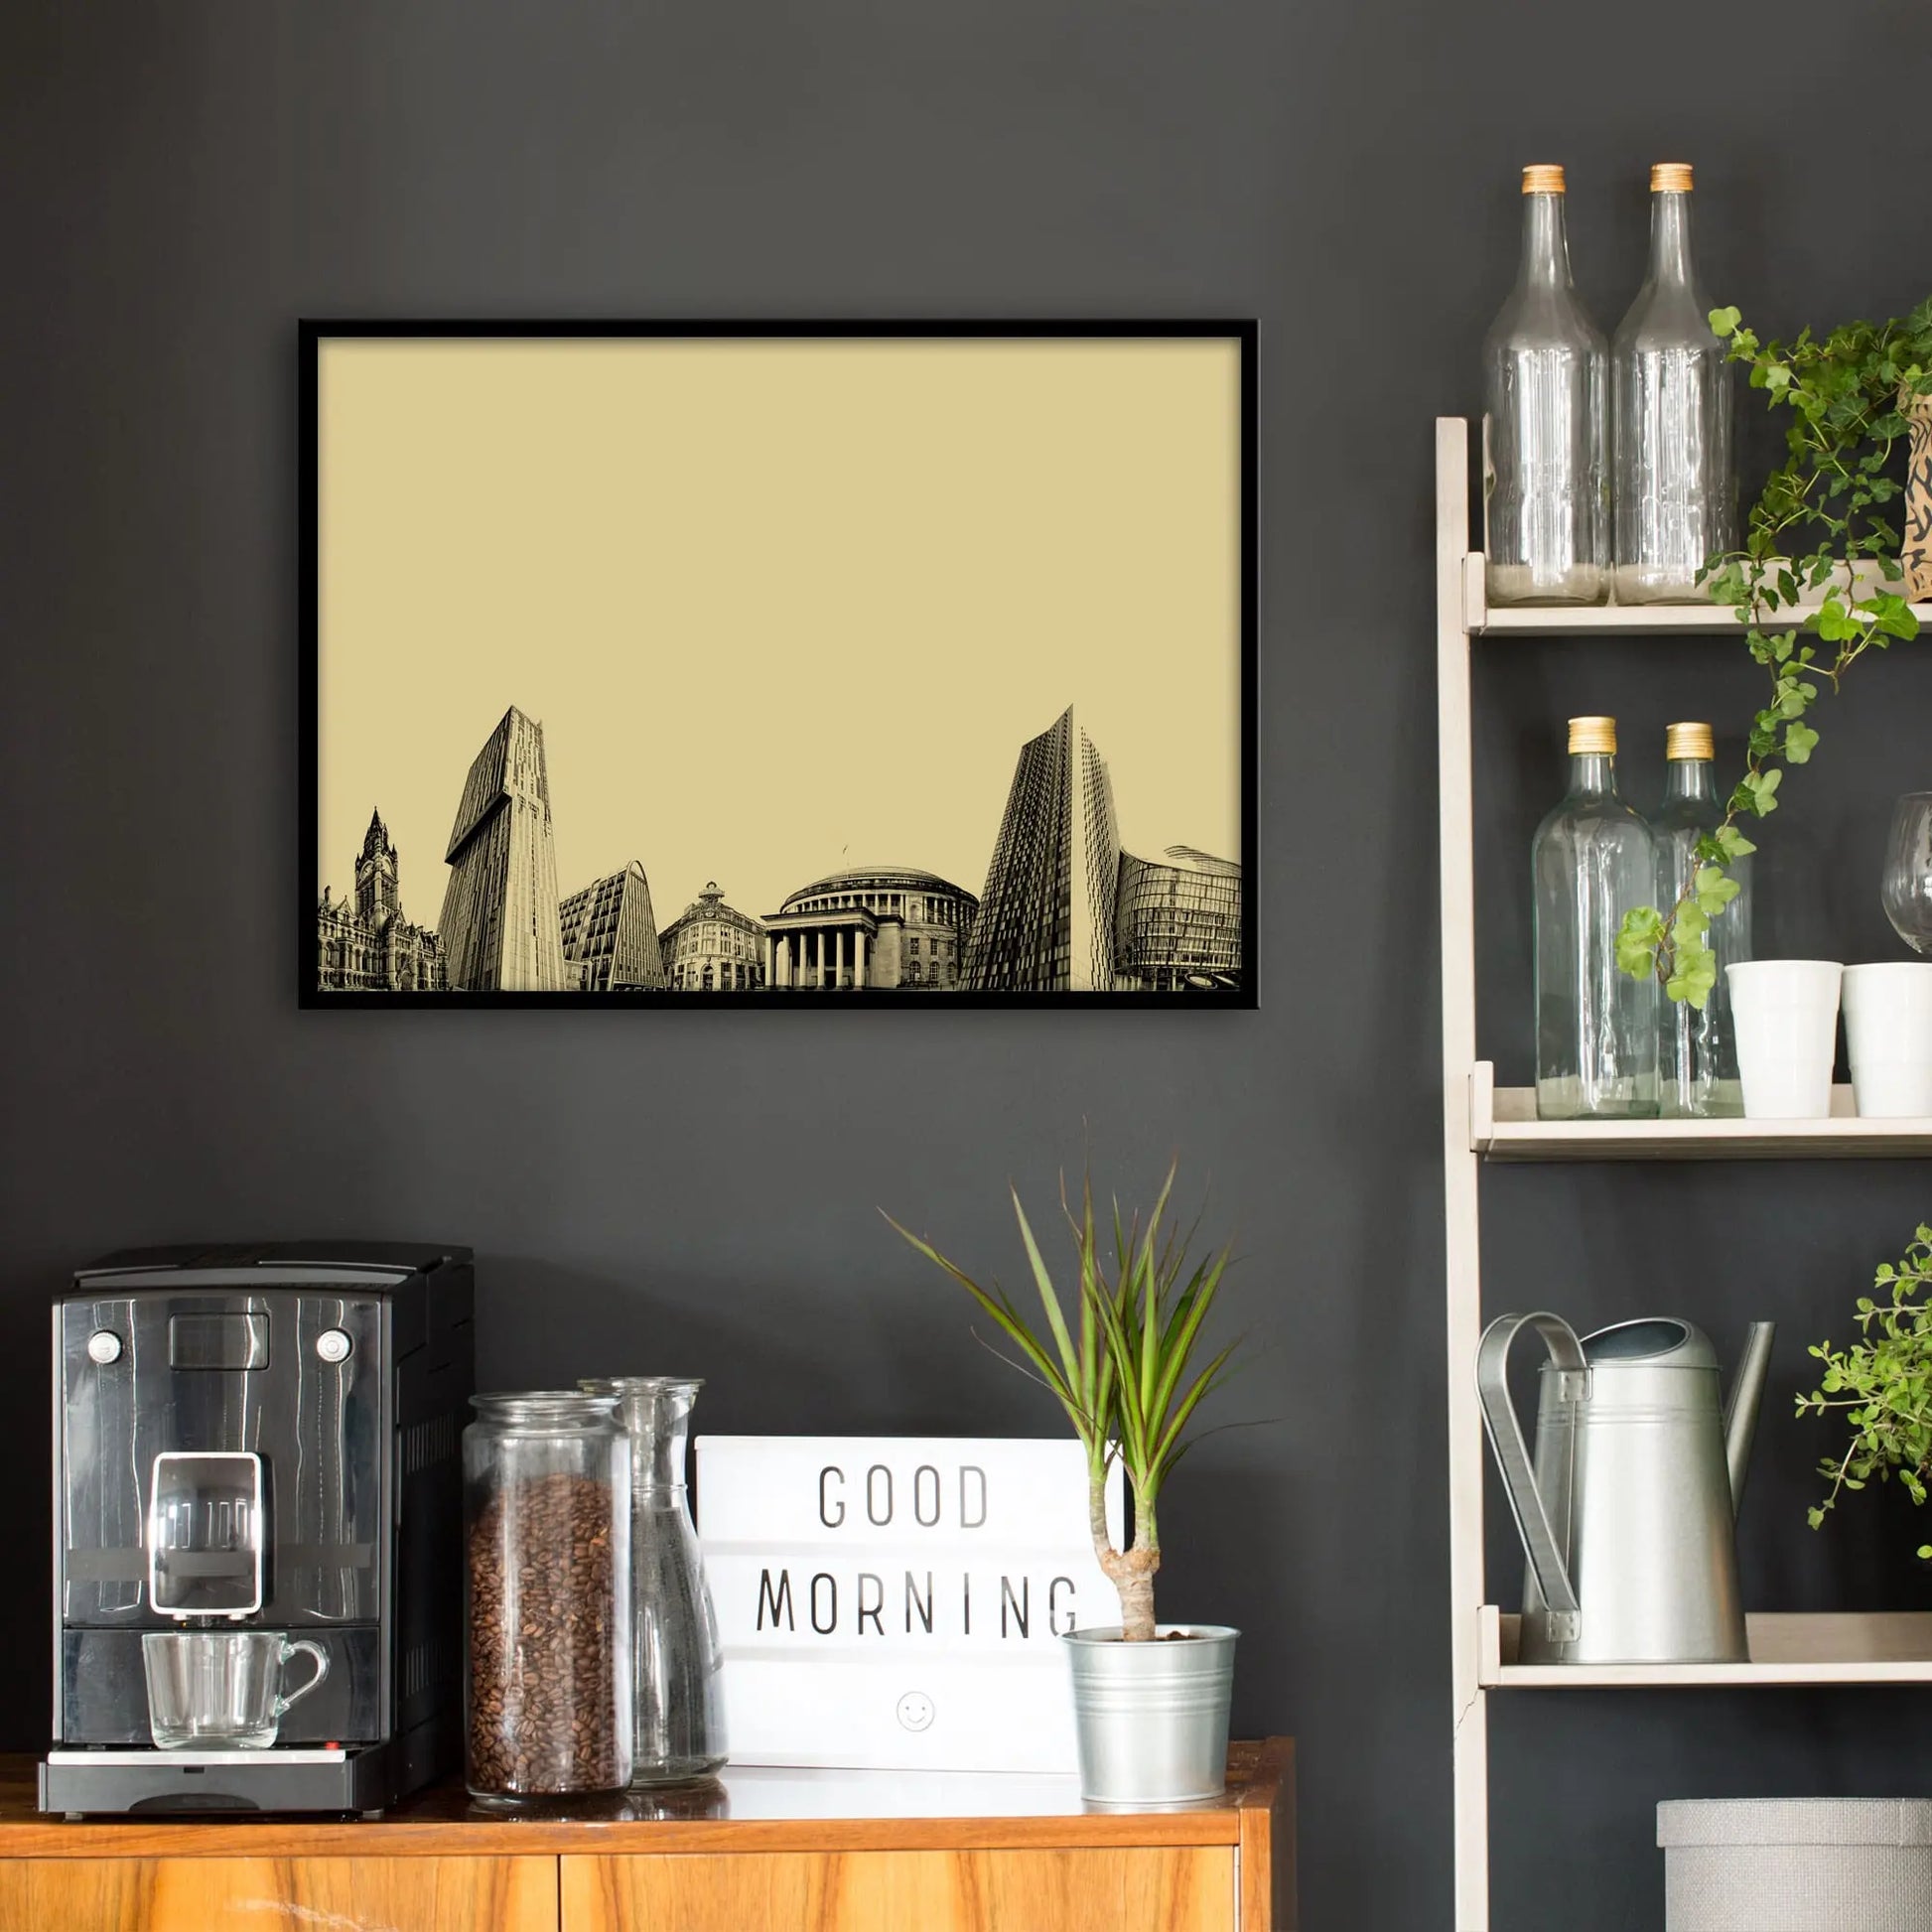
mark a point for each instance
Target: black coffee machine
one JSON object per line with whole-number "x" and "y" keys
{"x": 260, "y": 1438}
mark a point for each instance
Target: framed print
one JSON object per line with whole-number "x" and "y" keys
{"x": 729, "y": 664}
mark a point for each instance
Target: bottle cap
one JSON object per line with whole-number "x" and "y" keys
{"x": 1543, "y": 178}
{"x": 1688, "y": 741}
{"x": 1592, "y": 738}
{"x": 1670, "y": 178}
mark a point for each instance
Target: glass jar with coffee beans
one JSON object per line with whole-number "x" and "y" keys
{"x": 546, "y": 1483}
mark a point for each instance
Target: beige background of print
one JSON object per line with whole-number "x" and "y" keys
{"x": 780, "y": 607}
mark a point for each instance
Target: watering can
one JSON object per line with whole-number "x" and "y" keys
{"x": 1628, "y": 1517}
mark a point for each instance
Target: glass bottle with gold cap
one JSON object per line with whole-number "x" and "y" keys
{"x": 1595, "y": 1027}
{"x": 1698, "y": 1075}
{"x": 1545, "y": 427}
{"x": 1670, "y": 389}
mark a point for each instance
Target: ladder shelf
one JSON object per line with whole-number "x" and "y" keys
{"x": 1483, "y": 1122}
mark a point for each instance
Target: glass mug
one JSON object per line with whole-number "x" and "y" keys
{"x": 222, "y": 1689}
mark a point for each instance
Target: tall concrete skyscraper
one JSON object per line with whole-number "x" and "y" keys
{"x": 1046, "y": 922}
{"x": 499, "y": 930}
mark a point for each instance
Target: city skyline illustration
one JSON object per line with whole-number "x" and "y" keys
{"x": 427, "y": 912}
{"x": 1065, "y": 906}
{"x": 780, "y": 609}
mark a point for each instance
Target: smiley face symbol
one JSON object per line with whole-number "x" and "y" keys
{"x": 915, "y": 1711}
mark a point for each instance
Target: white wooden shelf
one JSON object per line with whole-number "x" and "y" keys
{"x": 1503, "y": 1127}
{"x": 1868, "y": 1647}
{"x": 1481, "y": 619}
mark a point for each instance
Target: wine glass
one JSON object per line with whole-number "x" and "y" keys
{"x": 1908, "y": 889}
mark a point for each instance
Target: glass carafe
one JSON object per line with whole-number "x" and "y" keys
{"x": 1676, "y": 495}
{"x": 677, "y": 1666}
{"x": 1596, "y": 1026}
{"x": 1545, "y": 437}
{"x": 1697, "y": 1079}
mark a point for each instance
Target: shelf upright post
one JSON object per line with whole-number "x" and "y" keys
{"x": 1461, "y": 1250}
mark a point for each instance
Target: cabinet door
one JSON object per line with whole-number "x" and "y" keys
{"x": 1179, "y": 1889}
{"x": 278, "y": 1894}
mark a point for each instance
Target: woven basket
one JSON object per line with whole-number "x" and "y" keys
{"x": 1797, "y": 1864}
{"x": 1916, "y": 555}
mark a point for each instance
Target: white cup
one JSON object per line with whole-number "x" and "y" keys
{"x": 1889, "y": 1037}
{"x": 1785, "y": 1012}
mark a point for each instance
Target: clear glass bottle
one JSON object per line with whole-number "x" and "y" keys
{"x": 1698, "y": 1077}
{"x": 546, "y": 1491}
{"x": 1595, "y": 1027}
{"x": 1675, "y": 492}
{"x": 678, "y": 1663}
{"x": 1545, "y": 434}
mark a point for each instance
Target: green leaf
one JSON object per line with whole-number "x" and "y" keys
{"x": 1048, "y": 1297}
{"x": 1637, "y": 939}
{"x": 1696, "y": 975}
{"x": 1714, "y": 890}
{"x": 1798, "y": 741}
{"x": 1892, "y": 615}
{"x": 1734, "y": 843}
{"x": 1180, "y": 1342}
{"x": 1723, "y": 322}
{"x": 1833, "y": 622}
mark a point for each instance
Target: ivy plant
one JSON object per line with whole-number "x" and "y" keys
{"x": 1882, "y": 1383}
{"x": 1846, "y": 394}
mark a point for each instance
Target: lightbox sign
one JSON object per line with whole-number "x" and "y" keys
{"x": 897, "y": 1602}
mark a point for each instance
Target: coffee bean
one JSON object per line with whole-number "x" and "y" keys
{"x": 543, "y": 1661}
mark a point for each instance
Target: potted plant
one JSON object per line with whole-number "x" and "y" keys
{"x": 1124, "y": 1356}
{"x": 1883, "y": 1384}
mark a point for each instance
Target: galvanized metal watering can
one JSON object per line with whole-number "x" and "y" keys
{"x": 1628, "y": 1517}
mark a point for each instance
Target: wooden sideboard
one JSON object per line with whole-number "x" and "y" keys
{"x": 762, "y": 1850}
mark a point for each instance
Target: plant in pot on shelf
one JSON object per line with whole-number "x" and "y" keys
{"x": 1124, "y": 1355}
{"x": 1882, "y": 1384}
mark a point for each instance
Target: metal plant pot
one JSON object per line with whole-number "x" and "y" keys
{"x": 1153, "y": 1718}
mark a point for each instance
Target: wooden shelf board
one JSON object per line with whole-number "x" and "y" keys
{"x": 1505, "y": 621}
{"x": 1859, "y": 1647}
{"x": 1503, "y": 1127}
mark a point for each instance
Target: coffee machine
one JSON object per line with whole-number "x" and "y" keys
{"x": 260, "y": 1439}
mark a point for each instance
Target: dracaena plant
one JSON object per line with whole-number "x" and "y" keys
{"x": 1123, "y": 1354}
{"x": 1823, "y": 512}
{"x": 1882, "y": 1384}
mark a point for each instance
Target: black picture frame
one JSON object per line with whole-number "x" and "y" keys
{"x": 315, "y": 334}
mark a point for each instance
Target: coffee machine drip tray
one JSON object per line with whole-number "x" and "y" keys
{"x": 277, "y": 1755}
{"x": 359, "y": 1778}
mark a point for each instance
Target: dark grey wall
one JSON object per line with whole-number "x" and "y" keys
{"x": 696, "y": 1190}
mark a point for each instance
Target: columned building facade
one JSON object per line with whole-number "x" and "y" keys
{"x": 1178, "y": 923}
{"x": 500, "y": 929}
{"x": 364, "y": 944}
{"x": 711, "y": 947}
{"x": 1046, "y": 920}
{"x": 610, "y": 935}
{"x": 877, "y": 927}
